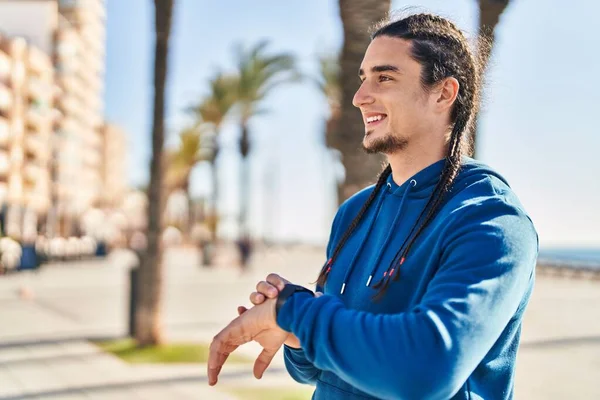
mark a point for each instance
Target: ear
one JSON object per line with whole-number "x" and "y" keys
{"x": 446, "y": 94}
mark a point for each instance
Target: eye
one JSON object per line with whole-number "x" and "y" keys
{"x": 384, "y": 78}
{"x": 361, "y": 79}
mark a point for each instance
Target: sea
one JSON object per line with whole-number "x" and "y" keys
{"x": 584, "y": 256}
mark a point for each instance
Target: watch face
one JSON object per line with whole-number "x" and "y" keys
{"x": 288, "y": 291}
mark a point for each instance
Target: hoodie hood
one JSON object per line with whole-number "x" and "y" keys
{"x": 426, "y": 179}
{"x": 395, "y": 210}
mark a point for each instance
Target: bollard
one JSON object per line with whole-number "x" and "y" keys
{"x": 133, "y": 292}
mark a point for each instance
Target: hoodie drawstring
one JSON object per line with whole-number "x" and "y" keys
{"x": 362, "y": 245}
{"x": 412, "y": 183}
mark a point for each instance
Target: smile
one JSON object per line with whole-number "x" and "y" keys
{"x": 375, "y": 119}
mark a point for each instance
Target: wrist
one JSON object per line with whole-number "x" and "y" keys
{"x": 286, "y": 293}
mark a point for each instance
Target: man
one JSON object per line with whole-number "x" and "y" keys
{"x": 430, "y": 270}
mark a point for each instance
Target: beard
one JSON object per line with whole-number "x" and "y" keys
{"x": 387, "y": 144}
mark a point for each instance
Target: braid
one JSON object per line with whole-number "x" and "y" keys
{"x": 443, "y": 52}
{"x": 353, "y": 225}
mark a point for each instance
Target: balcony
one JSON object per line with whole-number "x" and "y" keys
{"x": 19, "y": 72}
{"x": 16, "y": 156}
{"x": 39, "y": 89}
{"x": 68, "y": 45}
{"x": 15, "y": 47}
{"x": 37, "y": 149}
{"x": 31, "y": 173}
{"x": 69, "y": 104}
{"x": 5, "y": 67}
{"x": 4, "y": 133}
{"x": 4, "y": 164}
{"x": 69, "y": 126}
{"x": 70, "y": 83}
{"x": 38, "y": 61}
{"x": 38, "y": 118}
{"x": 6, "y": 100}
{"x": 15, "y": 185}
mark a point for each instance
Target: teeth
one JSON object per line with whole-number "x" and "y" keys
{"x": 375, "y": 118}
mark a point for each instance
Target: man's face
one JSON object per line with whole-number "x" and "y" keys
{"x": 394, "y": 106}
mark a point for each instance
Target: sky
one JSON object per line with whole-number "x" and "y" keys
{"x": 538, "y": 119}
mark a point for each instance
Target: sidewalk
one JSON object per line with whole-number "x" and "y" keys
{"x": 44, "y": 353}
{"x": 72, "y": 368}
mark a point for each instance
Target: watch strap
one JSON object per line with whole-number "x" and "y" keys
{"x": 288, "y": 291}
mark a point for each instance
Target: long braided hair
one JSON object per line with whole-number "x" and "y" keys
{"x": 443, "y": 52}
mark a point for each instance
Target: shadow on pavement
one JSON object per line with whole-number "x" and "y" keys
{"x": 129, "y": 385}
{"x": 563, "y": 342}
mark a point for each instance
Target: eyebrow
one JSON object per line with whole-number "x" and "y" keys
{"x": 380, "y": 68}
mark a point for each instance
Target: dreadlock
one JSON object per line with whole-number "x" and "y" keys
{"x": 443, "y": 52}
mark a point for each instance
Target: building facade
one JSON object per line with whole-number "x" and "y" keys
{"x": 58, "y": 159}
{"x": 27, "y": 116}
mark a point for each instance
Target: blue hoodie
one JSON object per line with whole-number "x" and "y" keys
{"x": 449, "y": 328}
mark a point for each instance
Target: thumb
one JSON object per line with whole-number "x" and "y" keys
{"x": 241, "y": 310}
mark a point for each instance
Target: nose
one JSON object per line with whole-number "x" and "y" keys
{"x": 362, "y": 96}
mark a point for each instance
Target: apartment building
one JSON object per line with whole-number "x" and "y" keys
{"x": 79, "y": 61}
{"x": 27, "y": 116}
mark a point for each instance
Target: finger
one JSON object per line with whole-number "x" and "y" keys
{"x": 218, "y": 354}
{"x": 223, "y": 344}
{"x": 216, "y": 360}
{"x": 241, "y": 310}
{"x": 267, "y": 289}
{"x": 277, "y": 281}
{"x": 257, "y": 298}
{"x": 262, "y": 362}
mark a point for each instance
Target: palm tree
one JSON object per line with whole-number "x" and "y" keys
{"x": 489, "y": 16}
{"x": 148, "y": 328}
{"x": 329, "y": 83}
{"x": 258, "y": 74}
{"x": 213, "y": 110}
{"x": 183, "y": 159}
{"x": 357, "y": 17}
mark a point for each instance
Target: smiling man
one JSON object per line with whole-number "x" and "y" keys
{"x": 429, "y": 271}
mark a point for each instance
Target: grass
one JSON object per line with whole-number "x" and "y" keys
{"x": 165, "y": 354}
{"x": 283, "y": 393}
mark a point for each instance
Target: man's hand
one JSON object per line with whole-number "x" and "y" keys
{"x": 269, "y": 289}
{"x": 258, "y": 324}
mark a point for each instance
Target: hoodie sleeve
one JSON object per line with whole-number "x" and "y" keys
{"x": 486, "y": 269}
{"x": 298, "y": 366}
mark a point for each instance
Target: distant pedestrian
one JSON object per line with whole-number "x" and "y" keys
{"x": 245, "y": 248}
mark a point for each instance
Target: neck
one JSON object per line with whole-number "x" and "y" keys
{"x": 413, "y": 159}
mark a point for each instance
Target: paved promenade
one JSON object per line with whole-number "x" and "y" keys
{"x": 44, "y": 352}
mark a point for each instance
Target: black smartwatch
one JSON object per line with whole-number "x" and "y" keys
{"x": 288, "y": 290}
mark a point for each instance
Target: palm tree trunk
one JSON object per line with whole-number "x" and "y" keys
{"x": 147, "y": 316}
{"x": 215, "y": 193}
{"x": 361, "y": 169}
{"x": 489, "y": 16}
{"x": 190, "y": 207}
{"x": 245, "y": 180}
